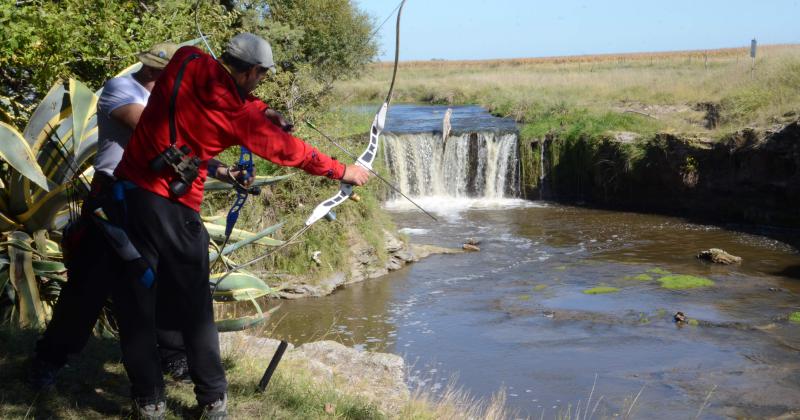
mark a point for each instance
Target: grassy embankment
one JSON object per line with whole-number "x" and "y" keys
{"x": 594, "y": 94}
{"x": 95, "y": 386}
{"x": 582, "y": 100}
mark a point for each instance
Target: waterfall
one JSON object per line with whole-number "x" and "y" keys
{"x": 541, "y": 169}
{"x": 475, "y": 165}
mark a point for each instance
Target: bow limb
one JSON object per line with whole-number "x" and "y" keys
{"x": 365, "y": 160}
{"x": 368, "y": 155}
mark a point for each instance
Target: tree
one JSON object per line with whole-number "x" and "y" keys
{"x": 316, "y": 42}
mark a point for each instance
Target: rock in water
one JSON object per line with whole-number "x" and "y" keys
{"x": 473, "y": 241}
{"x": 470, "y": 247}
{"x": 446, "y": 126}
{"x": 719, "y": 256}
{"x": 679, "y": 317}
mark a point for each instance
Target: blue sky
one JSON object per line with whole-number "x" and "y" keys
{"x": 482, "y": 29}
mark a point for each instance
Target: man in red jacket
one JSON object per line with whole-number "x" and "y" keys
{"x": 198, "y": 108}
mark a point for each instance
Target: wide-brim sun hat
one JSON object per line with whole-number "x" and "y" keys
{"x": 158, "y": 55}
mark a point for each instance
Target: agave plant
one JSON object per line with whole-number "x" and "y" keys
{"x": 46, "y": 171}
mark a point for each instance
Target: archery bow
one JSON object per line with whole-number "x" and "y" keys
{"x": 365, "y": 160}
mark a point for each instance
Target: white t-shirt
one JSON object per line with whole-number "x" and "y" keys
{"x": 113, "y": 135}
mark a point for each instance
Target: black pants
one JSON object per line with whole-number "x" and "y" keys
{"x": 92, "y": 269}
{"x": 174, "y": 243}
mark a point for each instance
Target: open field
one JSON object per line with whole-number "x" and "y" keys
{"x": 643, "y": 92}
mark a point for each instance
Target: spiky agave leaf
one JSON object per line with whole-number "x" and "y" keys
{"x": 7, "y": 223}
{"x": 14, "y": 241}
{"x": 213, "y": 219}
{"x": 217, "y": 233}
{"x": 31, "y": 310}
{"x": 17, "y": 153}
{"x": 239, "y": 324}
{"x": 245, "y": 322}
{"x": 84, "y": 105}
{"x": 44, "y": 211}
{"x": 46, "y": 266}
{"x": 49, "y": 135}
{"x": 4, "y": 278}
{"x": 240, "y": 287}
{"x": 212, "y": 255}
{"x": 53, "y": 109}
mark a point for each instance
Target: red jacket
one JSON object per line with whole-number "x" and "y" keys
{"x": 210, "y": 116}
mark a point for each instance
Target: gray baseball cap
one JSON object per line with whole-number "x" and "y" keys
{"x": 251, "y": 49}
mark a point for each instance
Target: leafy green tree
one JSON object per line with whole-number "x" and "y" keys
{"x": 316, "y": 42}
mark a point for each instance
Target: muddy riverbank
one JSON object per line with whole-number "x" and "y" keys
{"x": 751, "y": 176}
{"x": 364, "y": 263}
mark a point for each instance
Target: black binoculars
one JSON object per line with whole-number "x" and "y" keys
{"x": 184, "y": 167}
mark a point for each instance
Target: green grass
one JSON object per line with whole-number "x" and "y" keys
{"x": 601, "y": 290}
{"x": 94, "y": 385}
{"x": 684, "y": 282}
{"x": 795, "y": 317}
{"x": 573, "y": 123}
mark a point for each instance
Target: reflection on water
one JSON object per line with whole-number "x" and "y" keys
{"x": 514, "y": 315}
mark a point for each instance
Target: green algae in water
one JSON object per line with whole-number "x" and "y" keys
{"x": 683, "y": 282}
{"x": 640, "y": 277}
{"x": 561, "y": 268}
{"x": 795, "y": 317}
{"x": 601, "y": 290}
{"x": 539, "y": 287}
{"x": 694, "y": 322}
{"x": 524, "y": 297}
{"x": 659, "y": 271}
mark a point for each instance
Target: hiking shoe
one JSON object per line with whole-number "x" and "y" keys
{"x": 218, "y": 410}
{"x": 178, "y": 370}
{"x": 42, "y": 374}
{"x": 149, "y": 410}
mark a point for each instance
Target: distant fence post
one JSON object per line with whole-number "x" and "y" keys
{"x": 753, "y": 47}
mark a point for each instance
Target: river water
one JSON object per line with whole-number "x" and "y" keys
{"x": 516, "y": 316}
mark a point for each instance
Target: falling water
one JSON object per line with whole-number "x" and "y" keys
{"x": 542, "y": 170}
{"x": 481, "y": 164}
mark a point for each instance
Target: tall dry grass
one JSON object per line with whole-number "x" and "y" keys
{"x": 663, "y": 87}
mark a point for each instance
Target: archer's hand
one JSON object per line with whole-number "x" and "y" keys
{"x": 238, "y": 175}
{"x": 356, "y": 175}
{"x": 278, "y": 120}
